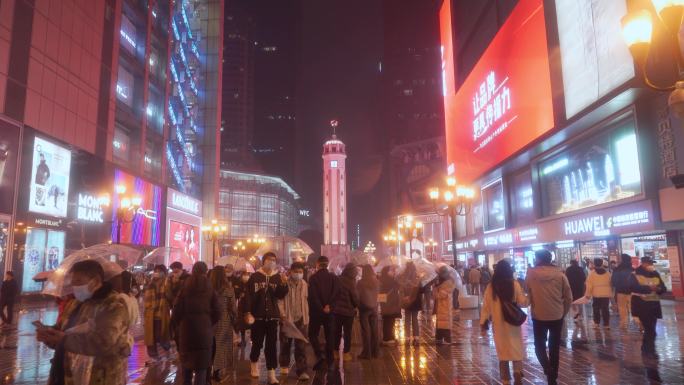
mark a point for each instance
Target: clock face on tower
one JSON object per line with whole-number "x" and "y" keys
{"x": 333, "y": 164}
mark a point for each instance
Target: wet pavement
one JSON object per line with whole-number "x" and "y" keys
{"x": 588, "y": 356}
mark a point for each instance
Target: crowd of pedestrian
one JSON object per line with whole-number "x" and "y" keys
{"x": 193, "y": 317}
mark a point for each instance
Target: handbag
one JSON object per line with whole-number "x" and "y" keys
{"x": 512, "y": 313}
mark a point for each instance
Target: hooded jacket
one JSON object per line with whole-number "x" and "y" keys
{"x": 598, "y": 284}
{"x": 646, "y": 303}
{"x": 263, "y": 292}
{"x": 620, "y": 278}
{"x": 549, "y": 293}
{"x": 347, "y": 299}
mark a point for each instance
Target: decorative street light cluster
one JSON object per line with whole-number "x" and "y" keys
{"x": 214, "y": 233}
{"x": 392, "y": 238}
{"x": 456, "y": 200}
{"x": 637, "y": 30}
{"x": 127, "y": 210}
{"x": 432, "y": 245}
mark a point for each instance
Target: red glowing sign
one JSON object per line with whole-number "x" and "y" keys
{"x": 184, "y": 237}
{"x": 505, "y": 103}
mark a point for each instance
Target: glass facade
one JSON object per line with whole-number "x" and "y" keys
{"x": 257, "y": 204}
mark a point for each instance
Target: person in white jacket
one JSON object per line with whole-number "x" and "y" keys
{"x": 507, "y": 337}
{"x": 599, "y": 288}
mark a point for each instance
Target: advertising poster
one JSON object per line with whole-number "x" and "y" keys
{"x": 34, "y": 259}
{"x": 506, "y": 101}
{"x": 9, "y": 146}
{"x": 142, "y": 226}
{"x": 49, "y": 179}
{"x": 54, "y": 250}
{"x": 185, "y": 237}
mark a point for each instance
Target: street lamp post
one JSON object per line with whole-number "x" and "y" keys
{"x": 393, "y": 237}
{"x": 457, "y": 200}
{"x": 213, "y": 234}
{"x": 127, "y": 204}
{"x": 432, "y": 244}
{"x": 637, "y": 30}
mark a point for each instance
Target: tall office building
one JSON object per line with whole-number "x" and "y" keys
{"x": 98, "y": 94}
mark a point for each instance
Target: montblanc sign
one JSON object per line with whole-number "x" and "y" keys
{"x": 183, "y": 202}
{"x": 90, "y": 208}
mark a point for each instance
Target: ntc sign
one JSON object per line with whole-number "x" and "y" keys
{"x": 183, "y": 202}
{"x": 305, "y": 213}
{"x": 90, "y": 208}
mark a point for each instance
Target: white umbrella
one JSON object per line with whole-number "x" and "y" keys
{"x": 114, "y": 253}
{"x": 239, "y": 263}
{"x": 168, "y": 255}
{"x": 286, "y": 248}
{"x": 360, "y": 258}
{"x": 59, "y": 281}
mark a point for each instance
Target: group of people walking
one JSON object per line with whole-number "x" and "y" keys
{"x": 198, "y": 313}
{"x": 551, "y": 294}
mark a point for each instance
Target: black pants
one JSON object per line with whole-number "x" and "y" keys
{"x": 388, "y": 328}
{"x": 326, "y": 321}
{"x": 7, "y": 317}
{"x": 600, "y": 307}
{"x": 299, "y": 349}
{"x": 551, "y": 331}
{"x": 265, "y": 329}
{"x": 200, "y": 376}
{"x": 443, "y": 335}
{"x": 343, "y": 323}
{"x": 649, "y": 324}
{"x": 369, "y": 332}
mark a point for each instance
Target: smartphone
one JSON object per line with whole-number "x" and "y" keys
{"x": 38, "y": 324}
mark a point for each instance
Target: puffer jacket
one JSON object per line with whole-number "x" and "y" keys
{"x": 549, "y": 293}
{"x": 598, "y": 284}
{"x": 347, "y": 297}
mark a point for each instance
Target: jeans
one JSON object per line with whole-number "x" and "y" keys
{"x": 267, "y": 329}
{"x": 411, "y": 327}
{"x": 369, "y": 332}
{"x": 624, "y": 304}
{"x": 550, "y": 330}
{"x": 200, "y": 376}
{"x": 7, "y": 317}
{"x": 649, "y": 324}
{"x": 165, "y": 344}
{"x": 600, "y": 307}
{"x": 388, "y": 328}
{"x": 326, "y": 321}
{"x": 443, "y": 335}
{"x": 343, "y": 322}
{"x": 299, "y": 349}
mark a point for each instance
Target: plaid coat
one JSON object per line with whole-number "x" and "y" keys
{"x": 155, "y": 301}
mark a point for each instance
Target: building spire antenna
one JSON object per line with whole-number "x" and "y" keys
{"x": 334, "y": 123}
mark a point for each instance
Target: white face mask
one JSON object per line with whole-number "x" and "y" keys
{"x": 297, "y": 276}
{"x": 82, "y": 292}
{"x": 156, "y": 275}
{"x": 245, "y": 278}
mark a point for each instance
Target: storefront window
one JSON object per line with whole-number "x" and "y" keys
{"x": 44, "y": 251}
{"x": 601, "y": 170}
{"x": 653, "y": 246}
{"x": 493, "y": 203}
{"x": 522, "y": 199}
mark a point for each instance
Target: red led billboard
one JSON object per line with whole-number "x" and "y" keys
{"x": 505, "y": 103}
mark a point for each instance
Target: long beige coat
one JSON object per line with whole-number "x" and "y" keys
{"x": 507, "y": 337}
{"x": 444, "y": 304}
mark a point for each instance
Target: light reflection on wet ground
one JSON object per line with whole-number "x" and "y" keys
{"x": 588, "y": 356}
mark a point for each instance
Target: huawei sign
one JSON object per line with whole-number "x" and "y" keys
{"x": 505, "y": 102}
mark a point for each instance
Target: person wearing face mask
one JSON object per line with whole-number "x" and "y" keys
{"x": 239, "y": 286}
{"x": 174, "y": 284}
{"x": 156, "y": 314}
{"x": 264, "y": 289}
{"x": 294, "y": 308}
{"x": 390, "y": 303}
{"x": 95, "y": 324}
{"x": 647, "y": 287}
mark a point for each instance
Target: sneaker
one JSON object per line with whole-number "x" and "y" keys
{"x": 303, "y": 377}
{"x": 254, "y": 369}
{"x": 272, "y": 379}
{"x": 347, "y": 357}
{"x": 284, "y": 371}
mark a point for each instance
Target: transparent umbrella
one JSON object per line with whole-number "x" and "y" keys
{"x": 59, "y": 281}
{"x": 168, "y": 255}
{"x": 453, "y": 274}
{"x": 426, "y": 270}
{"x": 122, "y": 254}
{"x": 239, "y": 263}
{"x": 287, "y": 249}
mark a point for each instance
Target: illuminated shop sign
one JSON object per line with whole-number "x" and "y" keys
{"x": 50, "y": 174}
{"x": 90, "y": 208}
{"x": 182, "y": 202}
{"x": 465, "y": 244}
{"x": 145, "y": 226}
{"x": 128, "y": 33}
{"x": 506, "y": 101}
{"x": 528, "y": 234}
{"x": 499, "y": 239}
{"x": 600, "y": 225}
{"x": 305, "y": 213}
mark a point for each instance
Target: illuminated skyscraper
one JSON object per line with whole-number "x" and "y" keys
{"x": 334, "y": 197}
